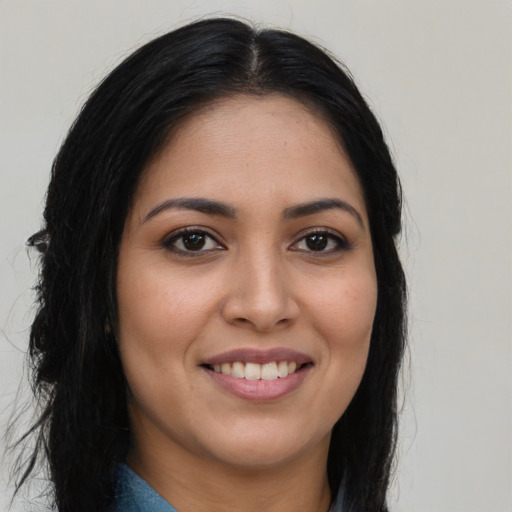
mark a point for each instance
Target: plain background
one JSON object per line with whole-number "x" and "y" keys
{"x": 438, "y": 74}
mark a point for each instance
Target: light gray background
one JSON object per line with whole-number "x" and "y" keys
{"x": 439, "y": 76}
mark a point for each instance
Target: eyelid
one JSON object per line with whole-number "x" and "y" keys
{"x": 342, "y": 243}
{"x": 173, "y": 236}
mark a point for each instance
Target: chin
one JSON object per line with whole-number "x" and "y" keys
{"x": 264, "y": 448}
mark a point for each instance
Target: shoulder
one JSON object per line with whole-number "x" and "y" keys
{"x": 133, "y": 494}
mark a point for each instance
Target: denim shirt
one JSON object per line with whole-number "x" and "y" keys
{"x": 133, "y": 494}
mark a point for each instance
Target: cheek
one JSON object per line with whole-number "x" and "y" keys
{"x": 345, "y": 312}
{"x": 344, "y": 318}
{"x": 156, "y": 307}
{"x": 159, "y": 318}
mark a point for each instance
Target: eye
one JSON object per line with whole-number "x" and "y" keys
{"x": 321, "y": 242}
{"x": 191, "y": 241}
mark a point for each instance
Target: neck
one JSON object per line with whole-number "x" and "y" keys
{"x": 202, "y": 485}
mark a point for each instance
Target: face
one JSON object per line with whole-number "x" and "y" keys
{"x": 246, "y": 287}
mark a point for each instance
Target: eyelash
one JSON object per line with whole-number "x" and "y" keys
{"x": 341, "y": 243}
{"x": 169, "y": 243}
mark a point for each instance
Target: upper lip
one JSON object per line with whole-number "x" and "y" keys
{"x": 250, "y": 355}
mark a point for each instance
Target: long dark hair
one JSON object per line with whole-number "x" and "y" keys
{"x": 83, "y": 429}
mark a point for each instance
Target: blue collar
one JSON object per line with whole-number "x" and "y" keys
{"x": 133, "y": 494}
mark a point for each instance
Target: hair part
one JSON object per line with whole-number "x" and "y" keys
{"x": 83, "y": 429}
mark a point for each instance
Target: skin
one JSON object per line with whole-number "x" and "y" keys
{"x": 255, "y": 284}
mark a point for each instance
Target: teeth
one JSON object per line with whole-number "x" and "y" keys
{"x": 254, "y": 371}
{"x": 269, "y": 371}
{"x": 282, "y": 369}
{"x": 238, "y": 370}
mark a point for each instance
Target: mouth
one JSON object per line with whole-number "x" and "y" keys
{"x": 254, "y": 371}
{"x": 259, "y": 375}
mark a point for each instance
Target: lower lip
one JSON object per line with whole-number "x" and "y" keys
{"x": 260, "y": 390}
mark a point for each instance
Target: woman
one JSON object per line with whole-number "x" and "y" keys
{"x": 221, "y": 304}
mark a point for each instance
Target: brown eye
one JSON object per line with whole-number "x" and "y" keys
{"x": 317, "y": 242}
{"x": 191, "y": 241}
{"x": 194, "y": 241}
{"x": 321, "y": 242}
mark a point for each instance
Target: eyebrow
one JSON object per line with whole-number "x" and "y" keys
{"x": 198, "y": 204}
{"x": 319, "y": 205}
{"x": 211, "y": 207}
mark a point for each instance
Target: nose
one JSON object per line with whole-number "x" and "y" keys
{"x": 260, "y": 294}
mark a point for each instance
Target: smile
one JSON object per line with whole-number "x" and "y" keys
{"x": 259, "y": 375}
{"x": 254, "y": 371}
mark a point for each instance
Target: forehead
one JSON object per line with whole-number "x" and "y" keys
{"x": 262, "y": 143}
